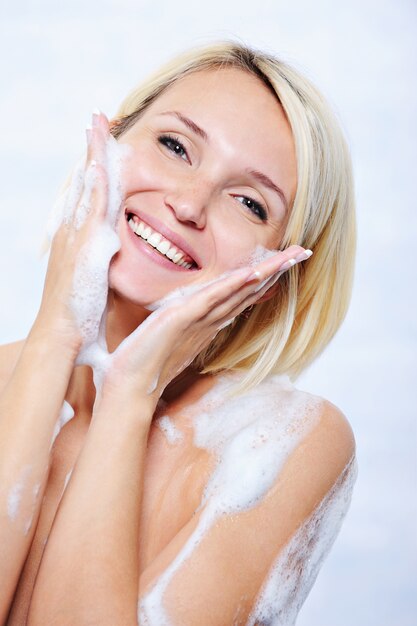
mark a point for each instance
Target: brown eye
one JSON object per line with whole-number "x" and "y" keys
{"x": 174, "y": 145}
{"x": 255, "y": 207}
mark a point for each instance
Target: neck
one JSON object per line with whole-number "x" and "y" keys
{"x": 123, "y": 318}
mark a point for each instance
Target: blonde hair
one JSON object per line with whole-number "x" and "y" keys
{"x": 285, "y": 334}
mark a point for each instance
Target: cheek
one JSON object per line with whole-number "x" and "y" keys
{"x": 143, "y": 169}
{"x": 234, "y": 251}
{"x": 237, "y": 237}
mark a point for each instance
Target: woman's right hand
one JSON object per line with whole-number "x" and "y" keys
{"x": 58, "y": 319}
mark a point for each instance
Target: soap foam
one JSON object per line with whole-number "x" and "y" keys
{"x": 172, "y": 434}
{"x": 252, "y": 436}
{"x": 67, "y": 200}
{"x": 90, "y": 288}
{"x": 259, "y": 254}
{"x": 182, "y": 292}
{"x": 15, "y": 494}
{"x": 90, "y": 284}
{"x": 35, "y": 493}
{"x": 84, "y": 203}
{"x": 296, "y": 568}
{"x": 65, "y": 415}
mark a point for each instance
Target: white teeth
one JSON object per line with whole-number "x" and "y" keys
{"x": 146, "y": 232}
{"x": 156, "y": 240}
{"x": 171, "y": 253}
{"x": 163, "y": 247}
{"x": 177, "y": 257}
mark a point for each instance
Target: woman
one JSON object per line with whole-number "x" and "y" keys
{"x": 197, "y": 486}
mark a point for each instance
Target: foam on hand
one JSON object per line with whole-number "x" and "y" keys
{"x": 90, "y": 289}
{"x": 67, "y": 200}
{"x": 185, "y": 291}
{"x": 258, "y": 255}
{"x": 90, "y": 283}
{"x": 251, "y": 437}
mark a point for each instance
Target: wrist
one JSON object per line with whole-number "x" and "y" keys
{"x": 121, "y": 403}
{"x": 45, "y": 338}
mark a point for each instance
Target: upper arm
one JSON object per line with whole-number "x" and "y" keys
{"x": 217, "y": 584}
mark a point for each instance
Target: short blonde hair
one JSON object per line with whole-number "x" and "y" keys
{"x": 286, "y": 333}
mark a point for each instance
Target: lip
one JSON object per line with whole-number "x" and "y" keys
{"x": 151, "y": 252}
{"x": 176, "y": 239}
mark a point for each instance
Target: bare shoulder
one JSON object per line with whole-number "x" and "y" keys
{"x": 334, "y": 430}
{"x": 335, "y": 434}
{"x": 243, "y": 546}
{"x": 9, "y": 355}
{"x": 319, "y": 460}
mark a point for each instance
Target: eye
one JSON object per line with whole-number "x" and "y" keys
{"x": 255, "y": 207}
{"x": 174, "y": 145}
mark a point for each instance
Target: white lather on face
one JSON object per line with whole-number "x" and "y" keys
{"x": 156, "y": 240}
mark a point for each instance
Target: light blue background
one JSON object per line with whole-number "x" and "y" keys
{"x": 59, "y": 61}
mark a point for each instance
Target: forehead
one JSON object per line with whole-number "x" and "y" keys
{"x": 233, "y": 96}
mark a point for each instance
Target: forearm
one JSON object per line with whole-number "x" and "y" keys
{"x": 89, "y": 573}
{"x": 29, "y": 407}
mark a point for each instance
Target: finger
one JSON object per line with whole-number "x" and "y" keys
{"x": 281, "y": 261}
{"x": 66, "y": 204}
{"x": 193, "y": 306}
{"x": 99, "y": 191}
{"x": 219, "y": 299}
{"x": 95, "y": 184}
{"x": 251, "y": 292}
{"x": 98, "y": 135}
{"x": 256, "y": 295}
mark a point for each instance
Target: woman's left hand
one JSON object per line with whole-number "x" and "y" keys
{"x": 172, "y": 336}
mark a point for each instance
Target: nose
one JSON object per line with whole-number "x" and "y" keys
{"x": 189, "y": 205}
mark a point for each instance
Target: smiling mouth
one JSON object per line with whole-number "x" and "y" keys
{"x": 160, "y": 243}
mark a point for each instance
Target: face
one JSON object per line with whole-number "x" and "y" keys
{"x": 210, "y": 174}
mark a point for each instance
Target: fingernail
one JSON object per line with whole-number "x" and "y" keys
{"x": 306, "y": 254}
{"x": 96, "y": 111}
{"x": 287, "y": 265}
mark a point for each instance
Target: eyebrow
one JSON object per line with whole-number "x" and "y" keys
{"x": 189, "y": 123}
{"x": 267, "y": 182}
{"x": 263, "y": 179}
